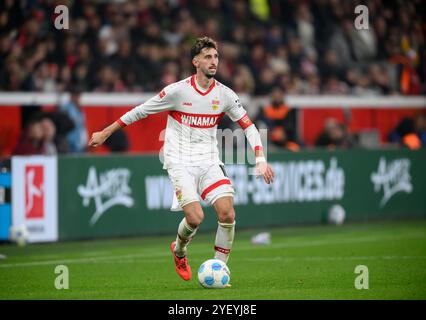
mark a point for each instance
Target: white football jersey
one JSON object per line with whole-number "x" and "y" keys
{"x": 193, "y": 116}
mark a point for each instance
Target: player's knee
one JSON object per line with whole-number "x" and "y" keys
{"x": 194, "y": 214}
{"x": 226, "y": 215}
{"x": 195, "y": 218}
{"x": 195, "y": 221}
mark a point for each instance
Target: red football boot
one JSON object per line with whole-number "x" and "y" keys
{"x": 182, "y": 267}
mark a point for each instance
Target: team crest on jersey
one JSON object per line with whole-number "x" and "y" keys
{"x": 162, "y": 94}
{"x": 215, "y": 104}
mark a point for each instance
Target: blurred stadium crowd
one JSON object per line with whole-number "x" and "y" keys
{"x": 267, "y": 48}
{"x": 304, "y": 47}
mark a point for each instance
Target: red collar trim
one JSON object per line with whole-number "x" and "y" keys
{"x": 200, "y": 92}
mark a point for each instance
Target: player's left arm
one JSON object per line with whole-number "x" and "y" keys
{"x": 237, "y": 113}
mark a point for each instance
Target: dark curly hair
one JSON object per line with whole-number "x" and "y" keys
{"x": 200, "y": 44}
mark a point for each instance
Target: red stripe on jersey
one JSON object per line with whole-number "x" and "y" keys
{"x": 200, "y": 92}
{"x": 196, "y": 120}
{"x": 121, "y": 123}
{"x": 258, "y": 148}
{"x": 222, "y": 250}
{"x": 214, "y": 186}
{"x": 245, "y": 122}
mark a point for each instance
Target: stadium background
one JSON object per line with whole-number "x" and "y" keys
{"x": 344, "y": 108}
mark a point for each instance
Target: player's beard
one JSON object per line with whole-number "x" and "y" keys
{"x": 209, "y": 74}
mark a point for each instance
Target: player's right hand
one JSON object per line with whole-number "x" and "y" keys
{"x": 97, "y": 139}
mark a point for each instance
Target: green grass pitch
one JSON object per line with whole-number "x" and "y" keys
{"x": 315, "y": 262}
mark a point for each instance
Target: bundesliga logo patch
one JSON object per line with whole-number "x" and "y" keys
{"x": 245, "y": 119}
{"x": 162, "y": 94}
{"x": 245, "y": 122}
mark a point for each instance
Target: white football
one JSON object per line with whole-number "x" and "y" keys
{"x": 214, "y": 273}
{"x": 19, "y": 234}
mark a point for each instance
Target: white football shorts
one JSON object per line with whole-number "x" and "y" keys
{"x": 191, "y": 183}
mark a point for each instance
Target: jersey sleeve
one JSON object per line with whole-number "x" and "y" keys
{"x": 163, "y": 101}
{"x": 236, "y": 112}
{"x": 234, "y": 109}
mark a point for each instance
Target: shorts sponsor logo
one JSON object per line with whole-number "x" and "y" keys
{"x": 110, "y": 189}
{"x": 392, "y": 177}
{"x": 179, "y": 195}
{"x": 34, "y": 192}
